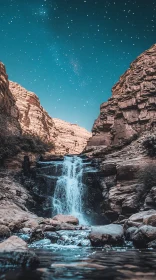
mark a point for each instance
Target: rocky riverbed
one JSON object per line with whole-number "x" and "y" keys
{"x": 60, "y": 248}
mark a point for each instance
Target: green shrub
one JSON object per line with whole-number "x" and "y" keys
{"x": 12, "y": 145}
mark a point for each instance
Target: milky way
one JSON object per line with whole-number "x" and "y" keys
{"x": 71, "y": 52}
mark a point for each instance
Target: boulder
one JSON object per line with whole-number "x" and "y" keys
{"x": 13, "y": 243}
{"x": 109, "y": 234}
{"x": 68, "y": 219}
{"x": 138, "y": 218}
{"x": 14, "y": 252}
{"x": 144, "y": 235}
{"x": 150, "y": 220}
{"x": 66, "y": 226}
{"x": 129, "y": 233}
{"x": 4, "y": 231}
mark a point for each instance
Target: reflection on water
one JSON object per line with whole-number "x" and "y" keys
{"x": 89, "y": 263}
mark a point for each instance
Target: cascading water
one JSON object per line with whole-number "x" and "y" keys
{"x": 69, "y": 190}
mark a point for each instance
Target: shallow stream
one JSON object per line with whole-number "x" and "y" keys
{"x": 72, "y": 262}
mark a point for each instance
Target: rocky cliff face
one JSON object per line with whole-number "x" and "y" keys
{"x": 8, "y": 110}
{"x": 21, "y": 112}
{"x": 124, "y": 138}
{"x": 132, "y": 108}
{"x": 32, "y": 117}
{"x": 70, "y": 138}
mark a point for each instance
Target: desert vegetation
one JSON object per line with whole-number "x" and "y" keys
{"x": 12, "y": 145}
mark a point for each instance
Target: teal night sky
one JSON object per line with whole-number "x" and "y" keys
{"x": 71, "y": 52}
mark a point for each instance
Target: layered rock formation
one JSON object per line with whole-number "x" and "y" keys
{"x": 32, "y": 117}
{"x": 68, "y": 138}
{"x": 22, "y": 114}
{"x": 8, "y": 110}
{"x": 132, "y": 108}
{"x": 126, "y": 122}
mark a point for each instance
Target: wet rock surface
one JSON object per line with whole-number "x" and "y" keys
{"x": 14, "y": 252}
{"x": 66, "y": 219}
{"x": 109, "y": 234}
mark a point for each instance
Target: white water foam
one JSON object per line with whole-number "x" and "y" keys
{"x": 68, "y": 195}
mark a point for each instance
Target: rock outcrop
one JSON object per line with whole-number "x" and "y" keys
{"x": 8, "y": 110}
{"x": 67, "y": 138}
{"x": 15, "y": 252}
{"x": 142, "y": 229}
{"x": 32, "y": 117}
{"x": 70, "y": 138}
{"x": 21, "y": 115}
{"x": 132, "y": 108}
{"x": 123, "y": 141}
{"x": 14, "y": 199}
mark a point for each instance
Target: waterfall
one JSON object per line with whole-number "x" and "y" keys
{"x": 69, "y": 190}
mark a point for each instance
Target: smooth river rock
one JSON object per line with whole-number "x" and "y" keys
{"x": 68, "y": 219}
{"x": 144, "y": 235}
{"x": 109, "y": 234}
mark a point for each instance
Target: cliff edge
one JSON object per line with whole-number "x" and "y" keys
{"x": 124, "y": 141}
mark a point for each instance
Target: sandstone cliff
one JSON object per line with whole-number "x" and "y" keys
{"x": 8, "y": 110}
{"x": 132, "y": 108}
{"x": 68, "y": 138}
{"x": 32, "y": 117}
{"x": 22, "y": 114}
{"x": 124, "y": 141}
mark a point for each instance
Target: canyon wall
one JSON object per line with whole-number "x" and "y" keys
{"x": 132, "y": 108}
{"x": 22, "y": 114}
{"x": 8, "y": 110}
{"x": 70, "y": 138}
{"x": 67, "y": 138}
{"x": 124, "y": 141}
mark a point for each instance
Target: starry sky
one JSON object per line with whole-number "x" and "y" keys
{"x": 71, "y": 52}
